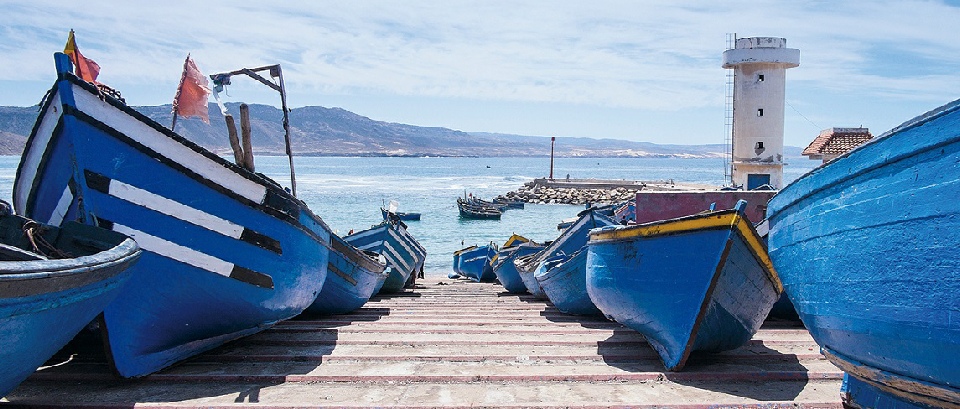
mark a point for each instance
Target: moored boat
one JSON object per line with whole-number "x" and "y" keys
{"x": 405, "y": 216}
{"x": 697, "y": 283}
{"x": 564, "y": 281}
{"x": 48, "y": 293}
{"x": 866, "y": 246}
{"x": 352, "y": 277}
{"x": 227, "y": 252}
{"x": 472, "y": 211}
{"x": 403, "y": 253}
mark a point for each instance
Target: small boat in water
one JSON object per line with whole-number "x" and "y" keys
{"x": 405, "y": 216}
{"x": 866, "y": 246}
{"x": 53, "y": 282}
{"x": 505, "y": 269}
{"x": 473, "y": 211}
{"x": 697, "y": 283}
{"x": 227, "y": 252}
{"x": 570, "y": 241}
{"x": 475, "y": 263}
{"x": 353, "y": 275}
{"x": 564, "y": 281}
{"x": 403, "y": 253}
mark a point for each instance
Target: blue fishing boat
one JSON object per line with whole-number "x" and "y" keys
{"x": 475, "y": 263}
{"x": 53, "y": 282}
{"x": 564, "y": 281}
{"x": 697, "y": 283}
{"x": 572, "y": 239}
{"x": 505, "y": 269}
{"x": 227, "y": 252}
{"x": 458, "y": 259}
{"x": 352, "y": 277}
{"x": 866, "y": 246}
{"x": 405, "y": 216}
{"x": 403, "y": 253}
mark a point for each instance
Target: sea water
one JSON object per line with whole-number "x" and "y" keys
{"x": 348, "y": 192}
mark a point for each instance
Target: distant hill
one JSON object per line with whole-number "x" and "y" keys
{"x": 319, "y": 131}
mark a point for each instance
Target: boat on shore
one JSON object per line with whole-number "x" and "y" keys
{"x": 227, "y": 252}
{"x": 564, "y": 281}
{"x": 505, "y": 269}
{"x": 403, "y": 253}
{"x": 475, "y": 263}
{"x": 458, "y": 259}
{"x": 53, "y": 282}
{"x": 353, "y": 276}
{"x": 866, "y": 246}
{"x": 572, "y": 239}
{"x": 696, "y": 283}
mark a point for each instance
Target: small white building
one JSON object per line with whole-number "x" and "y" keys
{"x": 759, "y": 88}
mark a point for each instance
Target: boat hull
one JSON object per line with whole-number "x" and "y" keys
{"x": 226, "y": 252}
{"x": 506, "y": 270}
{"x": 866, "y": 246}
{"x": 475, "y": 264}
{"x": 404, "y": 255}
{"x": 45, "y": 303}
{"x": 565, "y": 284}
{"x": 352, "y": 278}
{"x": 700, "y": 283}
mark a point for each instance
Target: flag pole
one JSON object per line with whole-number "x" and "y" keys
{"x": 176, "y": 98}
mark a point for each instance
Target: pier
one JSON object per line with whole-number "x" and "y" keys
{"x": 453, "y": 344}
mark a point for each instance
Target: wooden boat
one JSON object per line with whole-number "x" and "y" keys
{"x": 564, "y": 281}
{"x": 408, "y": 216}
{"x": 403, "y": 253}
{"x": 352, "y": 277}
{"x": 510, "y": 204}
{"x": 571, "y": 240}
{"x": 866, "y": 246}
{"x": 51, "y": 292}
{"x": 458, "y": 260}
{"x": 697, "y": 283}
{"x": 503, "y": 266}
{"x": 227, "y": 252}
{"x": 475, "y": 263}
{"x": 470, "y": 211}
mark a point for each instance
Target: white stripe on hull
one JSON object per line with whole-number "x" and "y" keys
{"x": 34, "y": 154}
{"x": 175, "y": 251}
{"x": 175, "y": 209}
{"x": 63, "y": 205}
{"x": 173, "y": 150}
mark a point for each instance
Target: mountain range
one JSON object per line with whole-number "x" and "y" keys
{"x": 320, "y": 131}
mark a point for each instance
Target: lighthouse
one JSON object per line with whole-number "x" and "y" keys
{"x": 759, "y": 87}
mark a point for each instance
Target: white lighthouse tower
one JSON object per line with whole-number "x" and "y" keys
{"x": 760, "y": 65}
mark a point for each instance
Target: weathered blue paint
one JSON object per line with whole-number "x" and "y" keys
{"x": 44, "y": 303}
{"x": 685, "y": 289}
{"x": 196, "y": 286}
{"x": 506, "y": 270}
{"x": 352, "y": 277}
{"x": 867, "y": 249}
{"x": 475, "y": 264}
{"x": 404, "y": 255}
{"x": 564, "y": 280}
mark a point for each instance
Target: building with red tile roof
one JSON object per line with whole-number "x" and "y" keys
{"x": 834, "y": 142}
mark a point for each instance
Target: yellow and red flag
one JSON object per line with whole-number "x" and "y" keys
{"x": 192, "y": 94}
{"x": 83, "y": 67}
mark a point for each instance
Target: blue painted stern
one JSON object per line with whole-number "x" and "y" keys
{"x": 404, "y": 255}
{"x": 564, "y": 281}
{"x": 352, "y": 277}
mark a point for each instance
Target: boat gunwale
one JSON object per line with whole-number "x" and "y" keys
{"x": 929, "y": 393}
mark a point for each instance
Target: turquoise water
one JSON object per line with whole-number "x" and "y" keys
{"x": 348, "y": 192}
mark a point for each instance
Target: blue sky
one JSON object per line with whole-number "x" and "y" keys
{"x": 635, "y": 70}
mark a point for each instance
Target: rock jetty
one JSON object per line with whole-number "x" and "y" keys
{"x": 583, "y": 191}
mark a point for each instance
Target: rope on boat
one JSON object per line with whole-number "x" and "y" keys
{"x": 34, "y": 233}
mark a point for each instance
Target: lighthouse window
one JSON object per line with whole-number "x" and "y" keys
{"x": 760, "y": 78}
{"x": 760, "y": 112}
{"x": 759, "y": 145}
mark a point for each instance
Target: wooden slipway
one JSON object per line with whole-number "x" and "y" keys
{"x": 453, "y": 344}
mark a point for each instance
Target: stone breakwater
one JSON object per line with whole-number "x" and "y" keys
{"x": 533, "y": 192}
{"x": 594, "y": 191}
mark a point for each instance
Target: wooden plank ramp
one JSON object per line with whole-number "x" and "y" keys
{"x": 453, "y": 344}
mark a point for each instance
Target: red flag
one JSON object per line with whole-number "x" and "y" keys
{"x": 191, "y": 99}
{"x": 83, "y": 67}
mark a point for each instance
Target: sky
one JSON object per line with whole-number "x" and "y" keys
{"x": 634, "y": 70}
